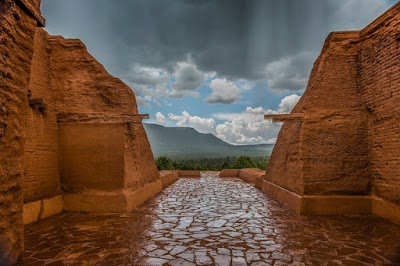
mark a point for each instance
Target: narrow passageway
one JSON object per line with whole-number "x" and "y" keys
{"x": 210, "y": 221}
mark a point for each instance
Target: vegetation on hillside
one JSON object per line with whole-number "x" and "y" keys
{"x": 212, "y": 164}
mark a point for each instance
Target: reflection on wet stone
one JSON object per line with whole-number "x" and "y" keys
{"x": 211, "y": 221}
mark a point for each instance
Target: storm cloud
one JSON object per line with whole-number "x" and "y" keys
{"x": 234, "y": 38}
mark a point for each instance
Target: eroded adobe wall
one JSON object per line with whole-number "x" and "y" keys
{"x": 41, "y": 178}
{"x": 82, "y": 85}
{"x": 84, "y": 88}
{"x": 140, "y": 168}
{"x": 334, "y": 132}
{"x": 380, "y": 82}
{"x": 17, "y": 28}
{"x": 284, "y": 165}
{"x": 348, "y": 142}
{"x": 327, "y": 152}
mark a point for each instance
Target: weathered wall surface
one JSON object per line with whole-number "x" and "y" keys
{"x": 17, "y": 29}
{"x": 92, "y": 156}
{"x": 334, "y": 132}
{"x": 91, "y": 104}
{"x": 139, "y": 167}
{"x": 348, "y": 142}
{"x": 82, "y": 85}
{"x": 41, "y": 178}
{"x": 380, "y": 83}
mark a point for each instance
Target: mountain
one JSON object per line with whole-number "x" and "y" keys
{"x": 186, "y": 142}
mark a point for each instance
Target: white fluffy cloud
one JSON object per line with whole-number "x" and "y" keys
{"x": 249, "y": 127}
{"x": 289, "y": 73}
{"x": 161, "y": 118}
{"x": 203, "y": 125}
{"x": 151, "y": 84}
{"x": 223, "y": 91}
{"x": 288, "y": 103}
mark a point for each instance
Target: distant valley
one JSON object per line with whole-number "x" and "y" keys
{"x": 187, "y": 143}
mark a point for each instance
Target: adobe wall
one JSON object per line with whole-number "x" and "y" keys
{"x": 17, "y": 28}
{"x": 84, "y": 150}
{"x": 327, "y": 152}
{"x": 41, "y": 178}
{"x": 103, "y": 146}
{"x": 82, "y": 85}
{"x": 334, "y": 132}
{"x": 380, "y": 83}
{"x": 348, "y": 142}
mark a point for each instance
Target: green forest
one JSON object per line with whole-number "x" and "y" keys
{"x": 212, "y": 164}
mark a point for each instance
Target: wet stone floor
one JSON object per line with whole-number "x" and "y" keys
{"x": 211, "y": 221}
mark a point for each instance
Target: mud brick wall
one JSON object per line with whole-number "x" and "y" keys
{"x": 334, "y": 133}
{"x": 349, "y": 141}
{"x": 83, "y": 86}
{"x": 139, "y": 167}
{"x": 380, "y": 82}
{"x": 284, "y": 166}
{"x": 41, "y": 178}
{"x": 17, "y": 29}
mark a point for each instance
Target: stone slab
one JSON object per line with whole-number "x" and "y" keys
{"x": 31, "y": 212}
{"x": 40, "y": 209}
{"x": 168, "y": 178}
{"x": 283, "y": 195}
{"x": 229, "y": 173}
{"x": 319, "y": 205}
{"x": 385, "y": 209}
{"x": 52, "y": 206}
{"x": 250, "y": 174}
{"x": 95, "y": 201}
{"x": 189, "y": 173}
{"x": 138, "y": 197}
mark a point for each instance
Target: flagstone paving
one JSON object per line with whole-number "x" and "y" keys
{"x": 211, "y": 221}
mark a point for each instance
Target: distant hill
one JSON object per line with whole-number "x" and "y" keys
{"x": 186, "y": 142}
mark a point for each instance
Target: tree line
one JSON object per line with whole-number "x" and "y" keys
{"x": 212, "y": 164}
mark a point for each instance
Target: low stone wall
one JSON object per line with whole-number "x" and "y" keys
{"x": 43, "y": 208}
{"x": 168, "y": 178}
{"x": 333, "y": 204}
{"x": 189, "y": 173}
{"x": 247, "y": 174}
{"x": 229, "y": 173}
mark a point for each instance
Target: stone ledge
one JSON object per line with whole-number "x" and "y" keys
{"x": 319, "y": 205}
{"x": 333, "y": 204}
{"x": 385, "y": 209}
{"x": 168, "y": 178}
{"x": 40, "y": 209}
{"x": 229, "y": 173}
{"x": 247, "y": 174}
{"x": 110, "y": 202}
{"x": 189, "y": 173}
{"x": 138, "y": 197}
{"x": 250, "y": 174}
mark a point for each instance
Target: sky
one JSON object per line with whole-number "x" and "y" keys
{"x": 215, "y": 65}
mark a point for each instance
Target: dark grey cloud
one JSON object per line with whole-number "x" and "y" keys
{"x": 235, "y": 38}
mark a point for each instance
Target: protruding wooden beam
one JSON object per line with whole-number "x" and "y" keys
{"x": 285, "y": 117}
{"x": 99, "y": 118}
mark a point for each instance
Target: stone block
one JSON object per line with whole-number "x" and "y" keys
{"x": 52, "y": 206}
{"x": 31, "y": 212}
{"x": 189, "y": 173}
{"x": 229, "y": 173}
{"x": 168, "y": 177}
